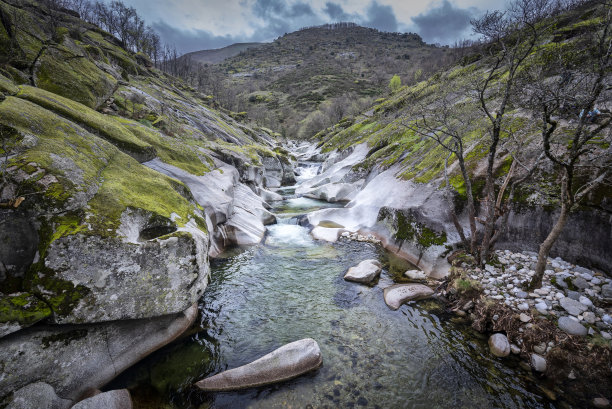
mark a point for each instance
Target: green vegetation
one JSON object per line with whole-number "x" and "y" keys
{"x": 105, "y": 126}
{"x": 395, "y": 83}
{"x": 22, "y": 308}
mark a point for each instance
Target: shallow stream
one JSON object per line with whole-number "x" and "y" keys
{"x": 291, "y": 287}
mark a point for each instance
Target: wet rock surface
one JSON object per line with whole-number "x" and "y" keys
{"x": 91, "y": 355}
{"x": 499, "y": 345}
{"x": 364, "y": 272}
{"x": 286, "y": 362}
{"x": 398, "y": 294}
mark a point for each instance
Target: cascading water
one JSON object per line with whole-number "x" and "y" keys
{"x": 291, "y": 287}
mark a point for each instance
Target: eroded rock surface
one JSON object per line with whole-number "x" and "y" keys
{"x": 90, "y": 355}
{"x": 364, "y": 272}
{"x": 398, "y": 294}
{"x": 286, "y": 362}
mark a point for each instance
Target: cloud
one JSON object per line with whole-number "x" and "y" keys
{"x": 380, "y": 17}
{"x": 445, "y": 23}
{"x": 193, "y": 40}
{"x": 336, "y": 12}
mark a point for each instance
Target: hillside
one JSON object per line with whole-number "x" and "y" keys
{"x": 218, "y": 55}
{"x": 313, "y": 77}
{"x": 392, "y": 138}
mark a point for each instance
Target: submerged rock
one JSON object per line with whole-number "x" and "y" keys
{"x": 286, "y": 362}
{"x": 116, "y": 399}
{"x": 364, "y": 272}
{"x": 398, "y": 294}
{"x": 499, "y": 345}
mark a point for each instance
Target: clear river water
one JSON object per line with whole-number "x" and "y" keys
{"x": 291, "y": 287}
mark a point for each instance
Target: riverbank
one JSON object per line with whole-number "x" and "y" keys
{"x": 561, "y": 331}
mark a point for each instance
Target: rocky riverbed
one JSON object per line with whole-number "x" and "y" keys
{"x": 577, "y": 297}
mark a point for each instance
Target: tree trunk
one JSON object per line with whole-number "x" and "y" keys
{"x": 470, "y": 204}
{"x": 536, "y": 281}
{"x": 490, "y": 216}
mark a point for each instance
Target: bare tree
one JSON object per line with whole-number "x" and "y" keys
{"x": 512, "y": 37}
{"x": 448, "y": 122}
{"x": 578, "y": 159}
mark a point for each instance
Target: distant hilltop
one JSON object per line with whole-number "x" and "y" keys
{"x": 218, "y": 55}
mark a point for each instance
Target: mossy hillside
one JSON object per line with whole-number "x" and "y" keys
{"x": 180, "y": 152}
{"x": 65, "y": 72}
{"x": 105, "y": 126}
{"x": 84, "y": 154}
{"x": 24, "y": 37}
{"x": 82, "y": 165}
{"x": 96, "y": 162}
{"x": 183, "y": 111}
{"x": 7, "y": 86}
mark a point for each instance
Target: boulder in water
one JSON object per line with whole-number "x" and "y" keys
{"x": 398, "y": 294}
{"x": 286, "y": 362}
{"x": 499, "y": 345}
{"x": 364, "y": 272}
{"x": 326, "y": 234}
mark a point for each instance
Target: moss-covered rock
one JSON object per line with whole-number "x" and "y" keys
{"x": 7, "y": 86}
{"x": 20, "y": 310}
{"x": 102, "y": 199}
{"x": 404, "y": 226}
{"x": 79, "y": 80}
{"x": 97, "y": 123}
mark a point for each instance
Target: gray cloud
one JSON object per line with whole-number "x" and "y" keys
{"x": 444, "y": 23}
{"x": 380, "y": 17}
{"x": 193, "y": 40}
{"x": 336, "y": 12}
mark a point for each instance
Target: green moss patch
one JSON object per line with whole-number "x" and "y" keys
{"x": 23, "y": 308}
{"x": 7, "y": 86}
{"x": 172, "y": 150}
{"x": 405, "y": 227}
{"x": 73, "y": 75}
{"x": 99, "y": 124}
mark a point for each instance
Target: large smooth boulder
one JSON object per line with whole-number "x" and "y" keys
{"x": 115, "y": 399}
{"x": 286, "y": 362}
{"x": 125, "y": 279}
{"x": 77, "y": 360}
{"x": 499, "y": 345}
{"x": 364, "y": 272}
{"x": 326, "y": 233}
{"x": 235, "y": 215}
{"x": 335, "y": 192}
{"x": 398, "y": 294}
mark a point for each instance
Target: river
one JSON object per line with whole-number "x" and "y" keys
{"x": 291, "y": 287}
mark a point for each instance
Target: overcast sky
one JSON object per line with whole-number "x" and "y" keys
{"x": 193, "y": 25}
